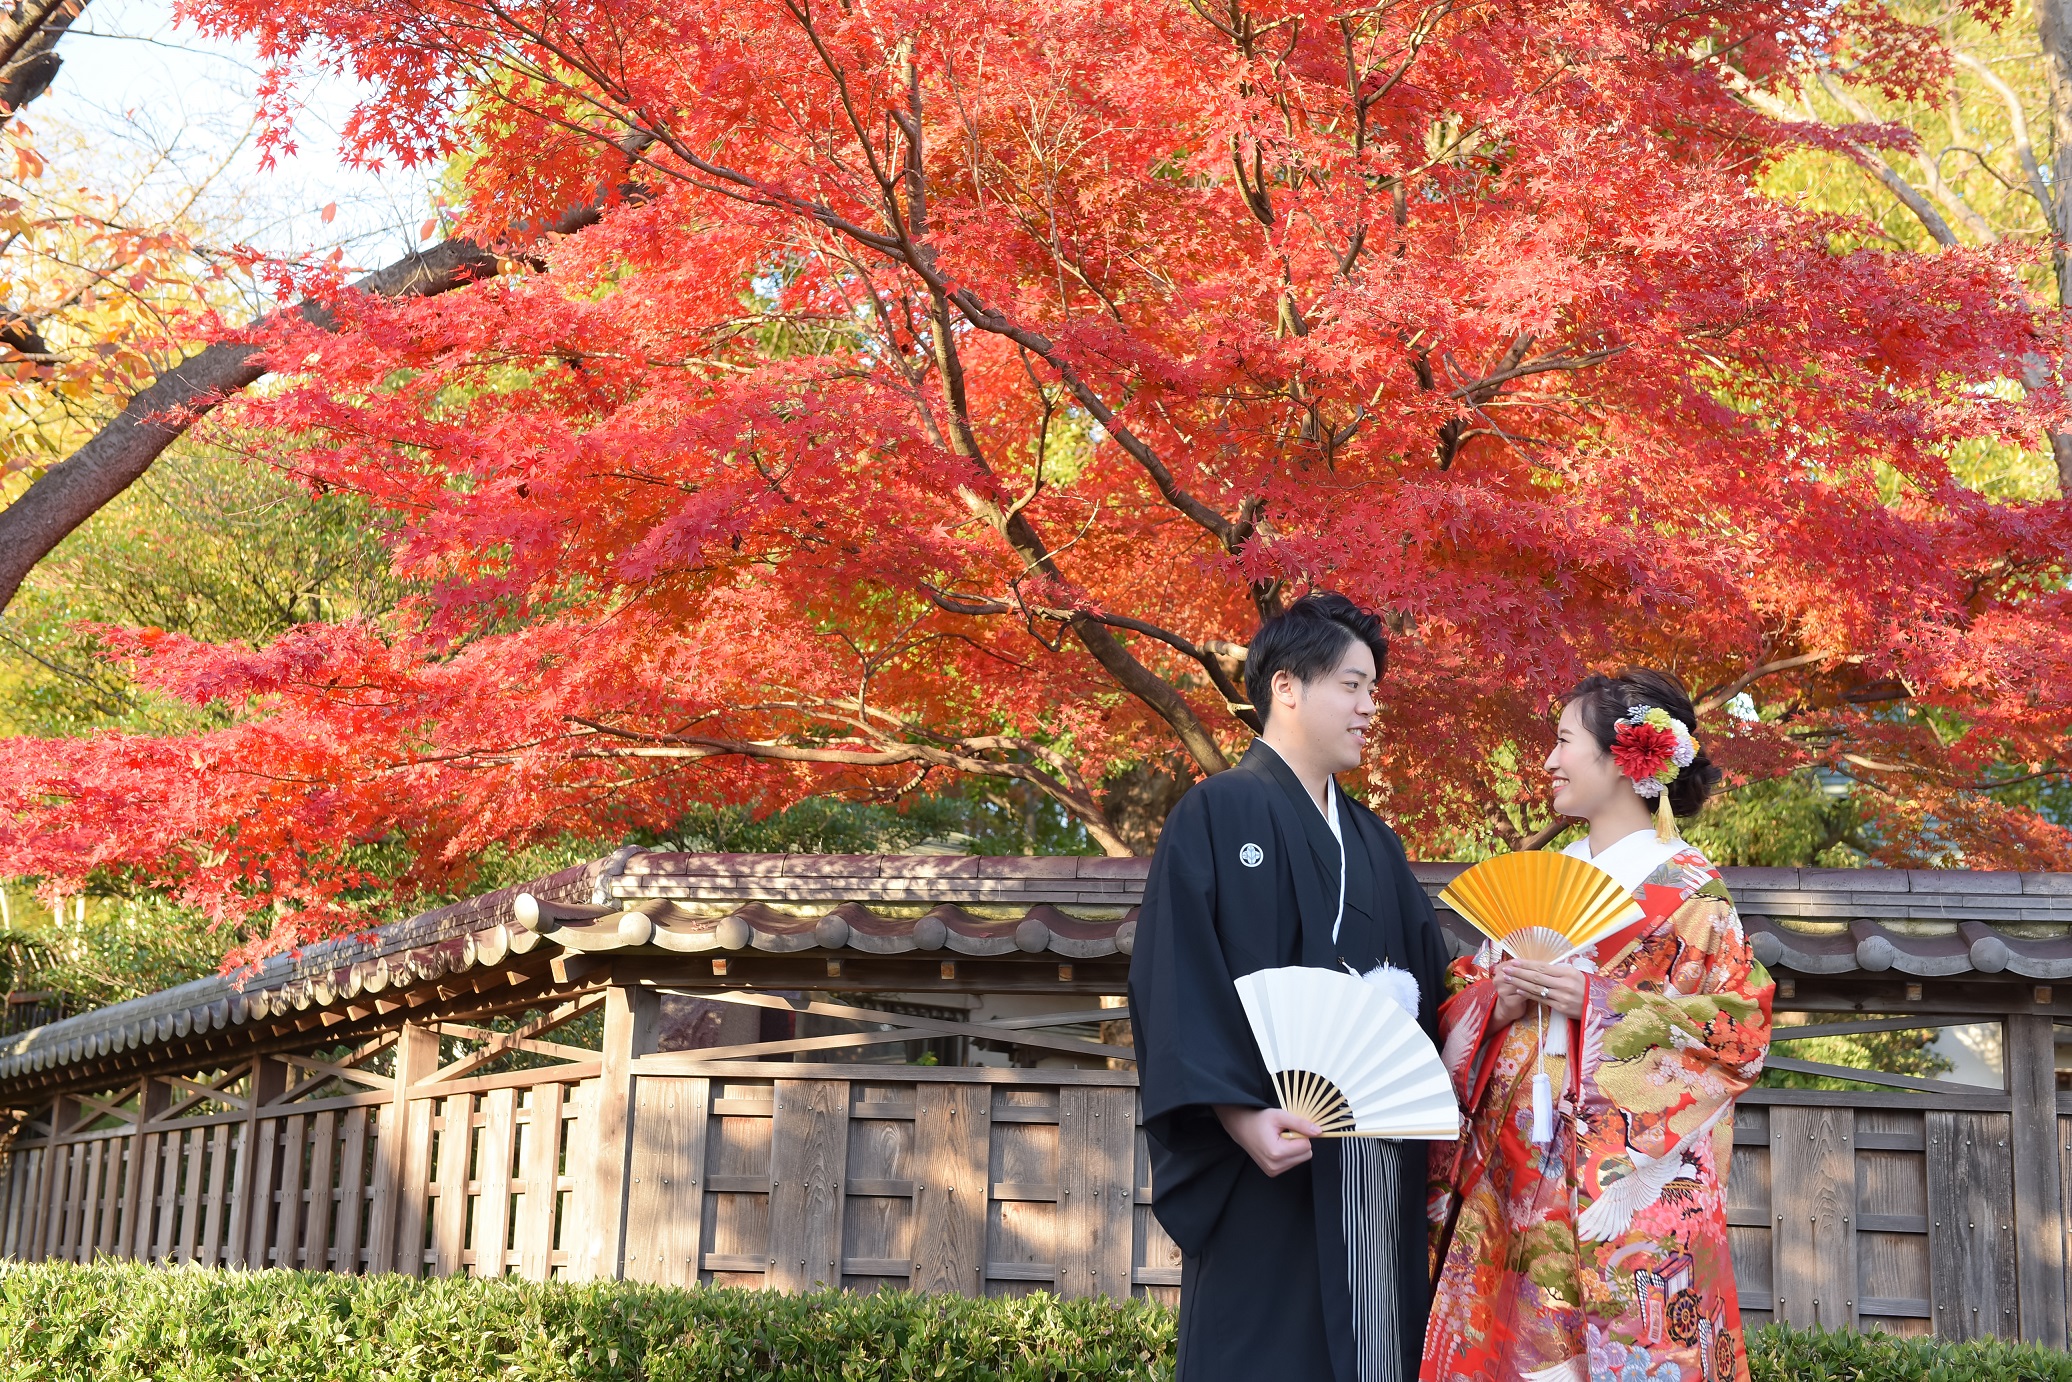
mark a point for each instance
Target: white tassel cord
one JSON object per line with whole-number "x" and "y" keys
{"x": 1542, "y": 1089}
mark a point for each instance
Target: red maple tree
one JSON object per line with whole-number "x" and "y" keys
{"x": 949, "y": 388}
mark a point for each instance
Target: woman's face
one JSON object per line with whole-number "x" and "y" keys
{"x": 1585, "y": 777}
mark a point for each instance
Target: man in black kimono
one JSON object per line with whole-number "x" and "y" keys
{"x": 1302, "y": 1261}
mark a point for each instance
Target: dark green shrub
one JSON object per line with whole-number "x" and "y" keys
{"x": 102, "y": 1323}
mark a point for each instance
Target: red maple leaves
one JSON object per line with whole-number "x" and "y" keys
{"x": 948, "y": 390}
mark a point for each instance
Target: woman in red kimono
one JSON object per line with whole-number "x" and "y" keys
{"x": 1600, "y": 1254}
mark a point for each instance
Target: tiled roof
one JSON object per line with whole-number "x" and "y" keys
{"x": 1804, "y": 921}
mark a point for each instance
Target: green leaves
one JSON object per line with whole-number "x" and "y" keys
{"x": 64, "y": 1323}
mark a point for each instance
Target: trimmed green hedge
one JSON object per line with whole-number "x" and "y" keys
{"x": 101, "y": 1323}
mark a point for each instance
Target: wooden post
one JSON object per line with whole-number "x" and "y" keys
{"x": 395, "y": 1219}
{"x": 2039, "y": 1205}
{"x": 632, "y": 1023}
{"x": 251, "y": 1200}
{"x": 151, "y": 1101}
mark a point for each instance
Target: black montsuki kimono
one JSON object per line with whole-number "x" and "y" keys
{"x": 1246, "y": 878}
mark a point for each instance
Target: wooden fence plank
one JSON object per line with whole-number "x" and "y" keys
{"x": 252, "y": 1210}
{"x": 541, "y": 1169}
{"x": 267, "y": 1175}
{"x": 212, "y": 1197}
{"x": 87, "y": 1227}
{"x": 952, "y": 1134}
{"x": 413, "y": 1187}
{"x": 665, "y": 1212}
{"x": 381, "y": 1190}
{"x": 322, "y": 1196}
{"x": 575, "y": 1232}
{"x": 490, "y": 1236}
{"x": 65, "y": 1219}
{"x": 809, "y": 1153}
{"x": 21, "y": 1174}
{"x": 2039, "y": 1202}
{"x": 50, "y": 1194}
{"x": 151, "y": 1101}
{"x": 239, "y": 1217}
{"x": 456, "y": 1149}
{"x": 192, "y": 1183}
{"x": 352, "y": 1189}
{"x": 395, "y": 1222}
{"x": 1096, "y": 1136}
{"x": 1813, "y": 1206}
{"x": 114, "y": 1183}
{"x": 632, "y": 1020}
{"x": 165, "y": 1205}
{"x": 289, "y": 1194}
{"x": 1971, "y": 1225}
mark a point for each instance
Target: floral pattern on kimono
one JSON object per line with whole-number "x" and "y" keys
{"x": 1602, "y": 1255}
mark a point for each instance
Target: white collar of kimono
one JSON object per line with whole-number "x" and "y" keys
{"x": 1632, "y": 860}
{"x": 1330, "y": 814}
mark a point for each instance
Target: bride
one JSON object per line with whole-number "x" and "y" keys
{"x": 1592, "y": 1243}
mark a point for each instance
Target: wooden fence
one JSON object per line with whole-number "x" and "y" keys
{"x": 972, "y": 1180}
{"x": 1897, "y": 1209}
{"x": 461, "y": 1096}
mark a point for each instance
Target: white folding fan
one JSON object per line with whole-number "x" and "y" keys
{"x": 1344, "y": 1055}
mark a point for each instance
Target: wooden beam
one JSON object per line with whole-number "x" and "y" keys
{"x": 1876, "y": 1077}
{"x": 1014, "y": 1033}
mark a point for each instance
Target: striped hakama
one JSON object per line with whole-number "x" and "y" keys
{"x": 1371, "y": 1168}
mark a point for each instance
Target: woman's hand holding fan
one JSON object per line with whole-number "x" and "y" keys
{"x": 1559, "y": 987}
{"x": 1541, "y": 909}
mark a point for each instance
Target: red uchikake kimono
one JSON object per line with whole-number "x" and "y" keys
{"x": 1603, "y": 1256}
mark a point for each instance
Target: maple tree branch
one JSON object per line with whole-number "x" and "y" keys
{"x": 76, "y": 488}
{"x": 1212, "y": 655}
{"x": 961, "y": 755}
{"x": 901, "y": 246}
{"x": 29, "y": 34}
{"x": 1874, "y": 161}
{"x": 1717, "y": 697}
{"x": 979, "y": 315}
{"x": 2018, "y": 127}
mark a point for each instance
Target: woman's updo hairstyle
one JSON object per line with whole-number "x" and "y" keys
{"x": 1605, "y": 701}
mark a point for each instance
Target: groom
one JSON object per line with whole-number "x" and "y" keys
{"x": 1302, "y": 1261}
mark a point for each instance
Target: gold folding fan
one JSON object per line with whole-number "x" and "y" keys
{"x": 1540, "y": 905}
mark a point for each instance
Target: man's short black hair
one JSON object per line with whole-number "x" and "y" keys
{"x": 1307, "y": 639}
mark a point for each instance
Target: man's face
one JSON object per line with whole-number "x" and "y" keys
{"x": 1329, "y": 716}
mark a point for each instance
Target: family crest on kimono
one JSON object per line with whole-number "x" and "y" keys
{"x": 1600, "y": 1251}
{"x": 1302, "y": 1261}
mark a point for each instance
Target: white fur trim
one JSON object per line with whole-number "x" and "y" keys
{"x": 1399, "y": 984}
